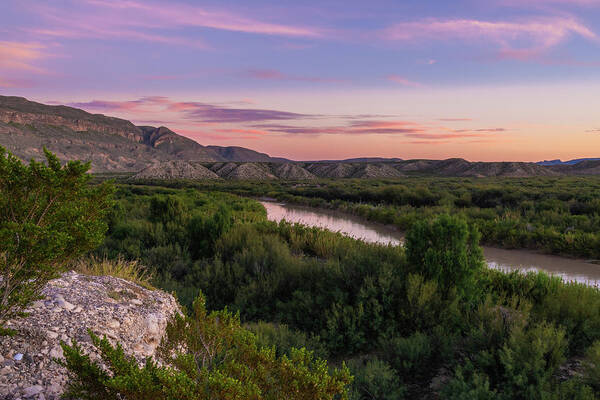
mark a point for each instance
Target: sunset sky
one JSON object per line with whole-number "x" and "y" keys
{"x": 481, "y": 79}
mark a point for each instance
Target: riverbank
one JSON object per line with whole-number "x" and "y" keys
{"x": 569, "y": 269}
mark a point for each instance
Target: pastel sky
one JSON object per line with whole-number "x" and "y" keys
{"x": 323, "y": 79}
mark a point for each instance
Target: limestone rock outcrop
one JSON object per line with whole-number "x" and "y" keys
{"x": 123, "y": 311}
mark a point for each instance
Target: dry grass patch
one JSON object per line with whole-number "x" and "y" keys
{"x": 131, "y": 271}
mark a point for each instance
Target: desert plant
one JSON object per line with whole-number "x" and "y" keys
{"x": 49, "y": 214}
{"x": 206, "y": 356}
{"x": 446, "y": 251}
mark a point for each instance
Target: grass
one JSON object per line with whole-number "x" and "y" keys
{"x": 131, "y": 271}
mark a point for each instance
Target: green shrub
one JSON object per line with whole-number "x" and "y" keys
{"x": 285, "y": 339}
{"x": 591, "y": 365}
{"x": 530, "y": 357}
{"x": 374, "y": 380}
{"x": 49, "y": 215}
{"x": 207, "y": 357}
{"x": 446, "y": 251}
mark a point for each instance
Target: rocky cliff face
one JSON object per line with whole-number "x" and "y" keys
{"x": 124, "y": 312}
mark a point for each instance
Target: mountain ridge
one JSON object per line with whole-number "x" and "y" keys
{"x": 111, "y": 144}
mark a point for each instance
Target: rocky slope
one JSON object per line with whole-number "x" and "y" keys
{"x": 585, "y": 167}
{"x": 111, "y": 144}
{"x": 124, "y": 312}
{"x": 298, "y": 171}
{"x": 176, "y": 170}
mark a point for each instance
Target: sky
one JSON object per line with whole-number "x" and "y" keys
{"x": 485, "y": 80}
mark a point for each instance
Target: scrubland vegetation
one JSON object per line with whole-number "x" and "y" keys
{"x": 559, "y": 215}
{"x": 427, "y": 319}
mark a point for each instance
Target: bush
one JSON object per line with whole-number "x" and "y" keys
{"x": 446, "y": 251}
{"x": 221, "y": 361}
{"x": 374, "y": 379}
{"x": 285, "y": 339}
{"x": 49, "y": 215}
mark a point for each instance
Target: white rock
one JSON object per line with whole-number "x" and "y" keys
{"x": 32, "y": 390}
{"x": 18, "y": 356}
{"x": 136, "y": 302}
{"x": 56, "y": 352}
{"x": 65, "y": 304}
{"x": 113, "y": 324}
{"x": 152, "y": 324}
{"x": 51, "y": 334}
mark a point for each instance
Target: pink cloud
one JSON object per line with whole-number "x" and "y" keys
{"x": 178, "y": 14}
{"x": 243, "y": 131}
{"x": 529, "y": 3}
{"x": 190, "y": 111}
{"x": 151, "y": 21}
{"x": 454, "y": 119}
{"x": 271, "y": 74}
{"x": 403, "y": 81}
{"x": 21, "y": 56}
{"x": 515, "y": 39}
{"x": 15, "y": 83}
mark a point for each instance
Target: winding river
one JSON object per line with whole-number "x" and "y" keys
{"x": 569, "y": 269}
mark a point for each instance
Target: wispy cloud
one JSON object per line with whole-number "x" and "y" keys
{"x": 15, "y": 83}
{"x": 21, "y": 56}
{"x": 530, "y": 3}
{"x": 403, "y": 81}
{"x": 157, "y": 22}
{"x": 594, "y": 130}
{"x": 454, "y": 119}
{"x": 520, "y": 39}
{"x": 275, "y": 75}
{"x": 190, "y": 110}
{"x": 406, "y": 129}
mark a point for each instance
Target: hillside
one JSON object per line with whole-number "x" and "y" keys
{"x": 111, "y": 144}
{"x": 360, "y": 170}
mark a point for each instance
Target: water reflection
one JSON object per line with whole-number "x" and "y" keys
{"x": 506, "y": 260}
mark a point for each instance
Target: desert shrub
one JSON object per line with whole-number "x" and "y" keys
{"x": 374, "y": 379}
{"x": 49, "y": 214}
{"x": 206, "y": 356}
{"x": 284, "y": 339}
{"x": 411, "y": 357}
{"x": 203, "y": 232}
{"x": 529, "y": 358}
{"x": 591, "y": 365}
{"x": 446, "y": 251}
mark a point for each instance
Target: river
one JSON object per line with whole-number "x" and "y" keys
{"x": 569, "y": 269}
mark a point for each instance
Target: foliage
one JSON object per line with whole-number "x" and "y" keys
{"x": 460, "y": 332}
{"x": 374, "y": 379}
{"x": 220, "y": 360}
{"x": 559, "y": 215}
{"x": 446, "y": 251}
{"x": 284, "y": 339}
{"x": 49, "y": 214}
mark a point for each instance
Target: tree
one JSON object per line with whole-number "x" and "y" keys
{"x": 446, "y": 251}
{"x": 206, "y": 356}
{"x": 48, "y": 215}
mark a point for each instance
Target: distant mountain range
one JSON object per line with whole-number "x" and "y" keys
{"x": 570, "y": 162}
{"x": 117, "y": 145}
